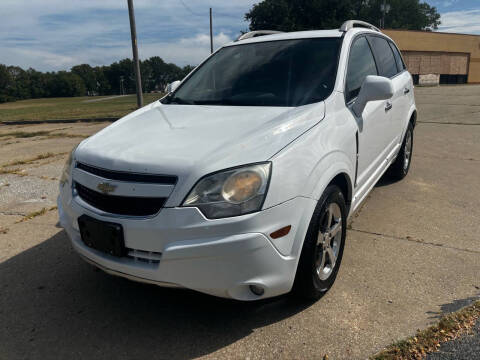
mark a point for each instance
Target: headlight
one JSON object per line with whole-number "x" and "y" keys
{"x": 231, "y": 192}
{"x": 67, "y": 168}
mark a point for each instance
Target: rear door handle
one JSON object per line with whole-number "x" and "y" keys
{"x": 388, "y": 106}
{"x": 406, "y": 91}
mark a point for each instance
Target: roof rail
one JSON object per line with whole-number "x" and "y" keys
{"x": 350, "y": 24}
{"x": 253, "y": 34}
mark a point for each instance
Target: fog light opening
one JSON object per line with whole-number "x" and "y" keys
{"x": 257, "y": 290}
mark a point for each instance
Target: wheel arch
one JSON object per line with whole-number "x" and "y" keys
{"x": 343, "y": 181}
{"x": 341, "y": 172}
{"x": 413, "y": 118}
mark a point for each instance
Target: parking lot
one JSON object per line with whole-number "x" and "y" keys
{"x": 412, "y": 254}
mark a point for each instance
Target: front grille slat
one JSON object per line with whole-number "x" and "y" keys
{"x": 127, "y": 176}
{"x": 121, "y": 205}
{"x": 149, "y": 257}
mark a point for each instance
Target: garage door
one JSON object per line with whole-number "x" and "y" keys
{"x": 444, "y": 63}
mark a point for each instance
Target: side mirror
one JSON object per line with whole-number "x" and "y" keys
{"x": 172, "y": 86}
{"x": 373, "y": 88}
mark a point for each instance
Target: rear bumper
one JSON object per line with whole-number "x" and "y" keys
{"x": 218, "y": 257}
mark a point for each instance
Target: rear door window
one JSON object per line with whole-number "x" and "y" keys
{"x": 360, "y": 64}
{"x": 384, "y": 56}
{"x": 398, "y": 57}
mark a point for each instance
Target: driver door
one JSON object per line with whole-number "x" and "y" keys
{"x": 372, "y": 142}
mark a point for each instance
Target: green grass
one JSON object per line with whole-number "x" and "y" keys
{"x": 23, "y": 134}
{"x": 46, "y": 134}
{"x": 71, "y": 108}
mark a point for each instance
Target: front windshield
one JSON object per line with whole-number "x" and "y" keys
{"x": 275, "y": 73}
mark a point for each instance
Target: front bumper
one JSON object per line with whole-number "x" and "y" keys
{"x": 219, "y": 257}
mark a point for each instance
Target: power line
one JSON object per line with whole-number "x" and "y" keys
{"x": 189, "y": 9}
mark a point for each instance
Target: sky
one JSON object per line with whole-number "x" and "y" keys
{"x": 52, "y": 35}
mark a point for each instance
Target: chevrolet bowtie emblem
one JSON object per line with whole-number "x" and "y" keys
{"x": 106, "y": 187}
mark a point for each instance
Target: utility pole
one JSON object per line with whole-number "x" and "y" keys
{"x": 122, "y": 90}
{"x": 136, "y": 63}
{"x": 211, "y": 33}
{"x": 385, "y": 8}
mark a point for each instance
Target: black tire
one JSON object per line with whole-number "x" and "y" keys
{"x": 308, "y": 283}
{"x": 400, "y": 167}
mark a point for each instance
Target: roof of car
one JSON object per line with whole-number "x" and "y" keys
{"x": 298, "y": 35}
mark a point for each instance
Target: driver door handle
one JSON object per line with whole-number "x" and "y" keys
{"x": 388, "y": 106}
{"x": 406, "y": 91}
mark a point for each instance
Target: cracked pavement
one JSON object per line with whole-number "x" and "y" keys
{"x": 412, "y": 254}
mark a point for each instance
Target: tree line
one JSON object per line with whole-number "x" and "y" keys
{"x": 298, "y": 15}
{"x": 117, "y": 78}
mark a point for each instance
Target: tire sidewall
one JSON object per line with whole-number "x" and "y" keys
{"x": 404, "y": 145}
{"x": 397, "y": 170}
{"x": 307, "y": 283}
{"x": 323, "y": 285}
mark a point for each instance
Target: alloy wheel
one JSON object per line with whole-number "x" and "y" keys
{"x": 408, "y": 150}
{"x": 328, "y": 241}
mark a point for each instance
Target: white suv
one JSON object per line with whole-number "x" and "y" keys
{"x": 240, "y": 181}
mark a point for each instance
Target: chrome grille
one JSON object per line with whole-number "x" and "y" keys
{"x": 128, "y": 176}
{"x": 149, "y": 257}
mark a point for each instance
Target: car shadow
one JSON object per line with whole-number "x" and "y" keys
{"x": 385, "y": 180}
{"x": 53, "y": 305}
{"x": 454, "y": 306}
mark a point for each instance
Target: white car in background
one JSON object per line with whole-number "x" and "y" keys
{"x": 240, "y": 181}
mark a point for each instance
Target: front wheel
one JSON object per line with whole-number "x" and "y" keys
{"x": 323, "y": 246}
{"x": 399, "y": 168}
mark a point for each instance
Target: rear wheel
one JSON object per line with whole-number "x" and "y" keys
{"x": 323, "y": 246}
{"x": 399, "y": 168}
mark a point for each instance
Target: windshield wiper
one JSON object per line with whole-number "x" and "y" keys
{"x": 215, "y": 102}
{"x": 177, "y": 100}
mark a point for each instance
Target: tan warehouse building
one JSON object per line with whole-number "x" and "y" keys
{"x": 447, "y": 58}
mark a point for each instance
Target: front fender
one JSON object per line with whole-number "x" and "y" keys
{"x": 335, "y": 163}
{"x": 306, "y": 166}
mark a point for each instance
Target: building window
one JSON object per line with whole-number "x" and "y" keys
{"x": 453, "y": 79}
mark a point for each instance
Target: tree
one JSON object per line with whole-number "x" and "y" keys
{"x": 403, "y": 14}
{"x": 19, "y": 83}
{"x": 120, "y": 74}
{"x": 65, "y": 84}
{"x": 297, "y": 15}
{"x": 5, "y": 83}
{"x": 156, "y": 74}
{"x": 87, "y": 74}
{"x": 431, "y": 17}
{"x": 38, "y": 84}
{"x": 103, "y": 86}
{"x": 187, "y": 69}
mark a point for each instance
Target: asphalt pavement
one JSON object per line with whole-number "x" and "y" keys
{"x": 465, "y": 348}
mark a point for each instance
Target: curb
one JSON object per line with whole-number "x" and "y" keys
{"x": 57, "y": 121}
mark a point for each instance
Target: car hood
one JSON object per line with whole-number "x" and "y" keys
{"x": 190, "y": 141}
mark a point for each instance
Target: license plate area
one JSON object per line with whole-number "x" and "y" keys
{"x": 103, "y": 236}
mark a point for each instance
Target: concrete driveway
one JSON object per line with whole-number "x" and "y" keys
{"x": 412, "y": 254}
